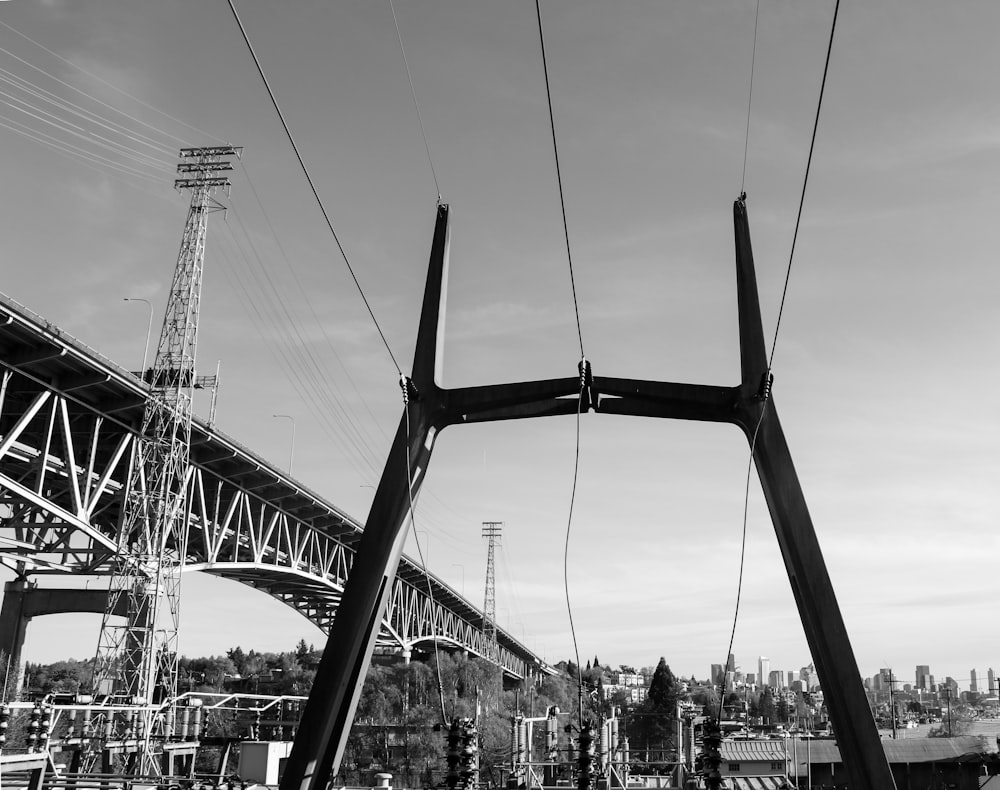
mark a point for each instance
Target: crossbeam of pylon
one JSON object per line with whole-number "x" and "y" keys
{"x": 429, "y": 408}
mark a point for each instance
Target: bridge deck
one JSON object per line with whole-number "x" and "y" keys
{"x": 64, "y": 402}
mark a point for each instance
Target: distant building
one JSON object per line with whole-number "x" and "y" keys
{"x": 774, "y": 679}
{"x": 763, "y": 669}
{"x": 973, "y": 682}
{"x": 717, "y": 675}
{"x": 991, "y": 680}
{"x": 792, "y": 677}
{"x": 924, "y": 679}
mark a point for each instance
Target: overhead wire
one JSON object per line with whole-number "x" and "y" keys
{"x": 50, "y": 97}
{"x": 805, "y": 183}
{"x": 770, "y": 361}
{"x": 140, "y": 157}
{"x": 416, "y": 106}
{"x": 312, "y": 185}
{"x": 753, "y": 63}
{"x": 555, "y": 150}
{"x": 579, "y": 332}
{"x": 304, "y": 295}
{"x": 114, "y": 87}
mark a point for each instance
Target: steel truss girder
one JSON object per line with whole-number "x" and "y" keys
{"x": 429, "y": 408}
{"x": 63, "y": 516}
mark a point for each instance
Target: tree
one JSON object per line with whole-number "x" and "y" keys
{"x": 766, "y": 708}
{"x": 651, "y": 726}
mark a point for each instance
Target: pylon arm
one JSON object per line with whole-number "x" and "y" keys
{"x": 513, "y": 401}
{"x": 666, "y": 399}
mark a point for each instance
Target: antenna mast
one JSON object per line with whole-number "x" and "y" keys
{"x": 137, "y": 661}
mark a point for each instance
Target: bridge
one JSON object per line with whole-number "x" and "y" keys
{"x": 69, "y": 421}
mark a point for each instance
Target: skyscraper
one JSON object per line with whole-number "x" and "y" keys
{"x": 924, "y": 677}
{"x": 991, "y": 680}
{"x": 763, "y": 669}
{"x": 973, "y": 683}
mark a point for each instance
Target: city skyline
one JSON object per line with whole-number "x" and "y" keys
{"x": 884, "y": 354}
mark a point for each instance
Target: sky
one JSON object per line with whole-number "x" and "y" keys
{"x": 884, "y": 363}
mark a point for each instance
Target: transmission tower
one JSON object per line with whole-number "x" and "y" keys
{"x": 492, "y": 531}
{"x": 136, "y": 662}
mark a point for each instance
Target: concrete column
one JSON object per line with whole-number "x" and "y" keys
{"x": 13, "y": 627}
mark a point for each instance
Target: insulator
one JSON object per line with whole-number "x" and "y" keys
{"x": 4, "y": 721}
{"x": 585, "y": 760}
{"x": 766, "y": 382}
{"x": 33, "y": 724}
{"x": 711, "y": 751}
{"x": 454, "y": 740}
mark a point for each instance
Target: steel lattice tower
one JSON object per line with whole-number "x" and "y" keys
{"x": 492, "y": 531}
{"x": 137, "y": 661}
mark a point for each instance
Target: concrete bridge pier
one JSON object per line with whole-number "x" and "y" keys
{"x": 23, "y": 600}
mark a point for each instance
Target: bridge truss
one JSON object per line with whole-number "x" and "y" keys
{"x": 68, "y": 425}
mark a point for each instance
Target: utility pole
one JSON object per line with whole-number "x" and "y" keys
{"x": 947, "y": 692}
{"x": 137, "y": 661}
{"x": 892, "y": 706}
{"x": 492, "y": 531}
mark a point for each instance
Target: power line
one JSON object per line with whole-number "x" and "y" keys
{"x": 753, "y": 61}
{"x": 119, "y": 90}
{"x": 416, "y": 106}
{"x": 555, "y": 150}
{"x": 312, "y": 186}
{"x": 788, "y": 271}
{"x": 805, "y": 182}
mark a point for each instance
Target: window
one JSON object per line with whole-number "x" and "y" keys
{"x": 777, "y": 766}
{"x": 734, "y": 766}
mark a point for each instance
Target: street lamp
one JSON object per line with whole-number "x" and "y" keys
{"x": 149, "y": 329}
{"x": 291, "y": 449}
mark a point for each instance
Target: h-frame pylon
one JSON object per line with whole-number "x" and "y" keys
{"x": 429, "y": 408}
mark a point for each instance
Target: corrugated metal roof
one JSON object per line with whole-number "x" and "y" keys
{"x": 755, "y": 783}
{"x": 760, "y": 750}
{"x": 908, "y": 750}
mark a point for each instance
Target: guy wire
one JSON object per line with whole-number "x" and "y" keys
{"x": 416, "y": 106}
{"x": 312, "y": 186}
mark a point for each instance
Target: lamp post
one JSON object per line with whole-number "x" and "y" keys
{"x": 291, "y": 449}
{"x": 149, "y": 329}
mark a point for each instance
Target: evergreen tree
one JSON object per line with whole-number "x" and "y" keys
{"x": 652, "y": 728}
